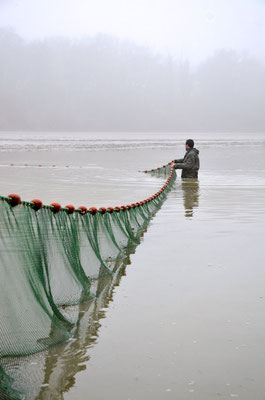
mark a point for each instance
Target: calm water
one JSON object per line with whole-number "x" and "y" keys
{"x": 185, "y": 320}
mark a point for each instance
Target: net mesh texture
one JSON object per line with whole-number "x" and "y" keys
{"x": 54, "y": 258}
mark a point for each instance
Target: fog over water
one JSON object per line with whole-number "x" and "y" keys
{"x": 92, "y": 93}
{"x": 103, "y": 83}
{"x": 176, "y": 66}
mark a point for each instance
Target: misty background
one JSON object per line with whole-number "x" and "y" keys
{"x": 65, "y": 72}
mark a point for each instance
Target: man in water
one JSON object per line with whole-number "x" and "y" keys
{"x": 190, "y": 164}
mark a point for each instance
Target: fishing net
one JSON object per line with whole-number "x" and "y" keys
{"x": 52, "y": 260}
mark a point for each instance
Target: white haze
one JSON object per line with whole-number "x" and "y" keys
{"x": 190, "y": 29}
{"x": 132, "y": 65}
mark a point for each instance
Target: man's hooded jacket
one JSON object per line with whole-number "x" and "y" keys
{"x": 190, "y": 164}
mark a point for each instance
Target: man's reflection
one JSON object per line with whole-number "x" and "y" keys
{"x": 190, "y": 188}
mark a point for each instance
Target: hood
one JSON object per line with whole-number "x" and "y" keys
{"x": 194, "y": 150}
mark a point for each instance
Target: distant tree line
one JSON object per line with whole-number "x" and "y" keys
{"x": 104, "y": 84}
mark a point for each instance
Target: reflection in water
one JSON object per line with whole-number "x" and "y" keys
{"x": 210, "y": 302}
{"x": 190, "y": 189}
{"x": 65, "y": 361}
{"x": 49, "y": 374}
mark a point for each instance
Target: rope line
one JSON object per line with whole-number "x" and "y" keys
{"x": 54, "y": 258}
{"x": 41, "y": 166}
{"x": 14, "y": 199}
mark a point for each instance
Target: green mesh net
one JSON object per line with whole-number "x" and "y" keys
{"x": 51, "y": 261}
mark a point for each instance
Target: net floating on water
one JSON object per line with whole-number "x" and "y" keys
{"x": 51, "y": 257}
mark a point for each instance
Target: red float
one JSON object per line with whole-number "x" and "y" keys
{"x": 37, "y": 204}
{"x": 93, "y": 210}
{"x": 55, "y": 207}
{"x": 14, "y": 199}
{"x": 70, "y": 208}
{"x": 83, "y": 210}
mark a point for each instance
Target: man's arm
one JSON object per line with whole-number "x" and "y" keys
{"x": 180, "y": 160}
{"x": 188, "y": 164}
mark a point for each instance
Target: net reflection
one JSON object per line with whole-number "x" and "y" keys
{"x": 64, "y": 362}
{"x": 59, "y": 271}
{"x": 49, "y": 374}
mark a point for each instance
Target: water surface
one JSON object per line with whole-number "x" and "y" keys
{"x": 185, "y": 318}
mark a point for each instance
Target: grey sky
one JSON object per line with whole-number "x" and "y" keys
{"x": 191, "y": 29}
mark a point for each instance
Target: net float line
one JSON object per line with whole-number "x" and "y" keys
{"x": 164, "y": 169}
{"x": 14, "y": 199}
{"x": 52, "y": 259}
{"x": 40, "y": 166}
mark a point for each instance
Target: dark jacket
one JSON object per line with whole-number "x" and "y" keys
{"x": 190, "y": 164}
